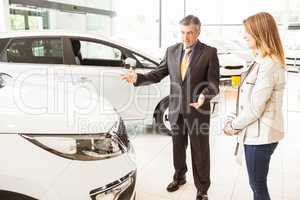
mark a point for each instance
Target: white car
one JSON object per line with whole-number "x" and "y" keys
{"x": 292, "y": 60}
{"x": 292, "y": 52}
{"x": 292, "y": 48}
{"x": 233, "y": 57}
{"x": 86, "y": 58}
{"x": 59, "y": 141}
{"x": 98, "y": 62}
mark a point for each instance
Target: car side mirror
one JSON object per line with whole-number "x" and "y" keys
{"x": 130, "y": 63}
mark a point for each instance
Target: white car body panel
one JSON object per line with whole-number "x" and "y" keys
{"x": 293, "y": 60}
{"x": 21, "y": 104}
{"x": 43, "y": 175}
{"x": 231, "y": 60}
{"x": 33, "y": 103}
{"x": 133, "y": 103}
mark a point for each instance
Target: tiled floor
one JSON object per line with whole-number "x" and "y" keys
{"x": 229, "y": 180}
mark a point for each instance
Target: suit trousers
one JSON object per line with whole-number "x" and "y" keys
{"x": 200, "y": 153}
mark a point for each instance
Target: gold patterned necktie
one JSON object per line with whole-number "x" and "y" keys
{"x": 185, "y": 62}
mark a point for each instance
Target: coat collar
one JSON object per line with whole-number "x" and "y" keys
{"x": 246, "y": 73}
{"x": 257, "y": 59}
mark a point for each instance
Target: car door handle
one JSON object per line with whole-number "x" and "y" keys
{"x": 84, "y": 79}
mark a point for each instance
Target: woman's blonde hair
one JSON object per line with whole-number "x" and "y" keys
{"x": 262, "y": 27}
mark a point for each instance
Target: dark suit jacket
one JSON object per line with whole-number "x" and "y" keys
{"x": 202, "y": 76}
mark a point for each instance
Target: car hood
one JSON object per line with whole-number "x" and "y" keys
{"x": 43, "y": 109}
{"x": 233, "y": 59}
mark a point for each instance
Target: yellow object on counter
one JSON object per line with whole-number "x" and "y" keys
{"x": 235, "y": 81}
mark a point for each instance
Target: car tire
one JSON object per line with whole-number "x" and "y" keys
{"x": 7, "y": 195}
{"x": 162, "y": 124}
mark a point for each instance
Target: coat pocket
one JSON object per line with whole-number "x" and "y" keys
{"x": 250, "y": 83}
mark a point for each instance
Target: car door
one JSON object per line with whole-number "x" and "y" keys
{"x": 99, "y": 65}
{"x": 35, "y": 62}
{"x": 156, "y": 92}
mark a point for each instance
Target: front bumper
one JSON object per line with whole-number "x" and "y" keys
{"x": 121, "y": 189}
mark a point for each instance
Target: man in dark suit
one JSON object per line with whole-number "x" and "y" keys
{"x": 194, "y": 75}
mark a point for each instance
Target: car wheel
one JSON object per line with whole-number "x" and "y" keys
{"x": 162, "y": 123}
{"x": 7, "y": 195}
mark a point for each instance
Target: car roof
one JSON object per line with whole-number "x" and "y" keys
{"x": 61, "y": 33}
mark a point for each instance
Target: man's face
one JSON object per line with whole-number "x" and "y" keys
{"x": 189, "y": 34}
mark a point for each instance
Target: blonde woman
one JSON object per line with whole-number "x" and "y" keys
{"x": 259, "y": 121}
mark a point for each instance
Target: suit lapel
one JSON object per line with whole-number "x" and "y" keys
{"x": 178, "y": 61}
{"x": 198, "y": 49}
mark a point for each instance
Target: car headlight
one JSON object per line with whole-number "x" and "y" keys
{"x": 119, "y": 129}
{"x": 84, "y": 147}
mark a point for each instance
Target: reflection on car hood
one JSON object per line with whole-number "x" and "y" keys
{"x": 28, "y": 108}
{"x": 233, "y": 59}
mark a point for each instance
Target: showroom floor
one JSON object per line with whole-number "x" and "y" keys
{"x": 229, "y": 180}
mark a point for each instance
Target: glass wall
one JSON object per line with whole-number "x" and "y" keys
{"x": 29, "y": 17}
{"x": 4, "y": 12}
{"x": 172, "y": 13}
{"x": 153, "y": 25}
{"x": 294, "y": 11}
{"x": 26, "y": 18}
{"x": 137, "y": 23}
{"x": 292, "y": 40}
{"x": 221, "y": 20}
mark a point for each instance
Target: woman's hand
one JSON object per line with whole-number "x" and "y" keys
{"x": 228, "y": 130}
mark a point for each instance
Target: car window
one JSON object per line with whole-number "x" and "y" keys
{"x": 92, "y": 53}
{"x": 39, "y": 50}
{"x": 3, "y": 43}
{"x": 93, "y": 50}
{"x": 145, "y": 62}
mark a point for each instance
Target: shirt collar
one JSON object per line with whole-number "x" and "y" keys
{"x": 191, "y": 47}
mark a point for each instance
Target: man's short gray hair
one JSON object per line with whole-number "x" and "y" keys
{"x": 191, "y": 19}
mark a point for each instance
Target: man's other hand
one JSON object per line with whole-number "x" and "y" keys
{"x": 199, "y": 102}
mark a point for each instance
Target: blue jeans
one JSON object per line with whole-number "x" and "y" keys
{"x": 258, "y": 160}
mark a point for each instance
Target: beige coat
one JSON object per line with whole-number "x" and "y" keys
{"x": 259, "y": 105}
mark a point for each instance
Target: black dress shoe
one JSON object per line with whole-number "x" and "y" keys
{"x": 173, "y": 186}
{"x": 202, "y": 197}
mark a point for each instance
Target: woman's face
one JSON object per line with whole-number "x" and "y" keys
{"x": 250, "y": 40}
